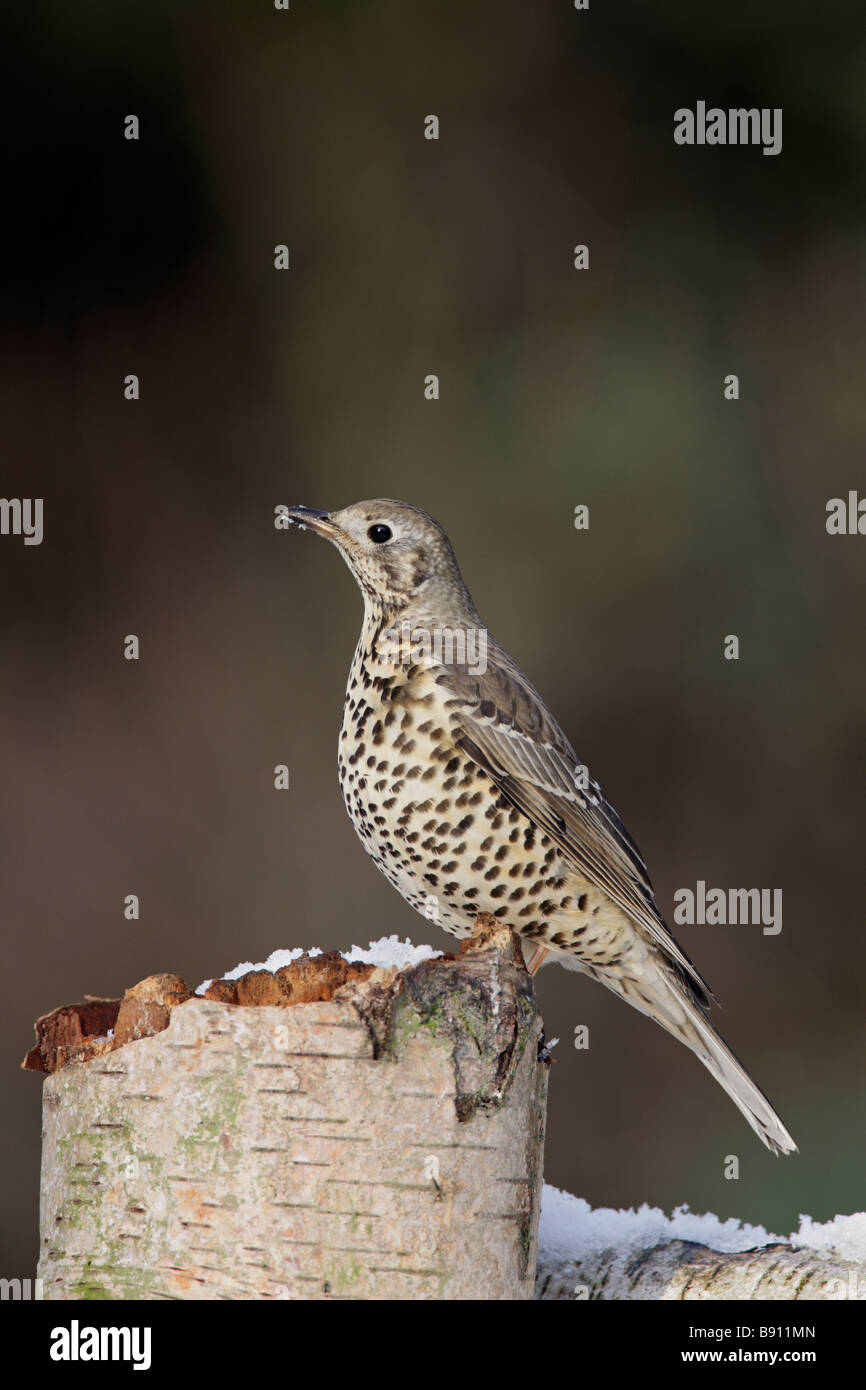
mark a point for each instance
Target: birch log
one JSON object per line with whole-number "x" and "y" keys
{"x": 382, "y": 1140}
{"x": 685, "y": 1270}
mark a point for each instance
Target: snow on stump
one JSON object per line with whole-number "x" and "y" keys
{"x": 329, "y": 1130}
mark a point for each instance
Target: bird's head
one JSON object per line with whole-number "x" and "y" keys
{"x": 400, "y": 556}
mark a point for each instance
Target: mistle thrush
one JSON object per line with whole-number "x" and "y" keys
{"x": 468, "y": 795}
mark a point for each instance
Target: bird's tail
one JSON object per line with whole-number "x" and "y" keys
{"x": 667, "y": 999}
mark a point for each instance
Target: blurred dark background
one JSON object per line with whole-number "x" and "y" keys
{"x": 557, "y": 388}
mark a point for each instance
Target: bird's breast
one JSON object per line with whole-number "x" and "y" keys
{"x": 432, "y": 819}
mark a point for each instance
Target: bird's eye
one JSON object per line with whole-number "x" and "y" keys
{"x": 379, "y": 534}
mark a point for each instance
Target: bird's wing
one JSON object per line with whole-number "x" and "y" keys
{"x": 504, "y": 726}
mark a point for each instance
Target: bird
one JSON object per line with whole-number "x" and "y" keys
{"x": 470, "y": 798}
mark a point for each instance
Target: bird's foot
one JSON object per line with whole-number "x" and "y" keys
{"x": 535, "y": 960}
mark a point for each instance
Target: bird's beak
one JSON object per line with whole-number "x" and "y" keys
{"x": 316, "y": 520}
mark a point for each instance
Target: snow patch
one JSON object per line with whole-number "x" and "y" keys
{"x": 571, "y": 1229}
{"x": 388, "y": 951}
{"x": 844, "y": 1235}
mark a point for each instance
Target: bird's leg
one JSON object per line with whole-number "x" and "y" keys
{"x": 535, "y": 960}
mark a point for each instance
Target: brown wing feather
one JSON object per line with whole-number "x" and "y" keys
{"x": 506, "y": 728}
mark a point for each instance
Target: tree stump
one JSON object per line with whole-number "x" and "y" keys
{"x": 326, "y": 1131}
